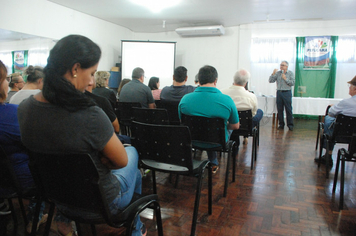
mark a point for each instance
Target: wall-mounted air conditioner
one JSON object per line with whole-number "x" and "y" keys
{"x": 201, "y": 31}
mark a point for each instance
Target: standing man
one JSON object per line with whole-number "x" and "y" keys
{"x": 136, "y": 91}
{"x": 285, "y": 81}
{"x": 208, "y": 101}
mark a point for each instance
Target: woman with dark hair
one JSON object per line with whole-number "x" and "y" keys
{"x": 71, "y": 122}
{"x": 34, "y": 84}
{"x": 153, "y": 84}
{"x": 10, "y": 141}
{"x": 122, "y": 83}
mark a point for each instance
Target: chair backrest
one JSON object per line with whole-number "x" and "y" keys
{"x": 245, "y": 125}
{"x": 172, "y": 109}
{"x": 352, "y": 146}
{"x": 344, "y": 128}
{"x": 8, "y": 179}
{"x": 206, "y": 131}
{"x": 169, "y": 144}
{"x": 124, "y": 110}
{"x": 72, "y": 182}
{"x": 151, "y": 116}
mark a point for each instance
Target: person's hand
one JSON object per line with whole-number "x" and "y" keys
{"x": 275, "y": 71}
{"x": 284, "y": 76}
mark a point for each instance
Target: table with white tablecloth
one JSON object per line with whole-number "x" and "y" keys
{"x": 301, "y": 105}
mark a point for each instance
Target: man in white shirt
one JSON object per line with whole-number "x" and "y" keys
{"x": 243, "y": 99}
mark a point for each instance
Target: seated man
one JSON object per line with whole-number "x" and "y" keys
{"x": 208, "y": 101}
{"x": 244, "y": 100}
{"x": 176, "y": 91}
{"x": 346, "y": 107}
{"x": 136, "y": 91}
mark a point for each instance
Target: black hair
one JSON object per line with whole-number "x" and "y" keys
{"x": 65, "y": 54}
{"x": 207, "y": 74}
{"x": 180, "y": 74}
{"x": 3, "y": 73}
{"x": 153, "y": 83}
{"x": 34, "y": 73}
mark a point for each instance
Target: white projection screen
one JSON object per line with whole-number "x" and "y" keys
{"x": 155, "y": 58}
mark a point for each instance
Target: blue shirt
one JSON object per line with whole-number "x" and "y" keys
{"x": 209, "y": 102}
{"x": 346, "y": 107}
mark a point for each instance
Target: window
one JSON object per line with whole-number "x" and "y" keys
{"x": 273, "y": 50}
{"x": 346, "y": 49}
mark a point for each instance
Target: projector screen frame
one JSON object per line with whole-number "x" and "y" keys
{"x": 166, "y": 80}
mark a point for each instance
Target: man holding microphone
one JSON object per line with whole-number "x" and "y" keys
{"x": 285, "y": 81}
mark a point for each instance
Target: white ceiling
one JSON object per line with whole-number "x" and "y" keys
{"x": 191, "y": 13}
{"x": 212, "y": 12}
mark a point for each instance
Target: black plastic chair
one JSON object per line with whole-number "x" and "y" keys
{"x": 343, "y": 156}
{"x": 151, "y": 116}
{"x": 168, "y": 148}
{"x": 125, "y": 115}
{"x": 246, "y": 129}
{"x": 321, "y": 126}
{"x": 209, "y": 134}
{"x": 72, "y": 182}
{"x": 172, "y": 109}
{"x": 344, "y": 127}
{"x": 12, "y": 188}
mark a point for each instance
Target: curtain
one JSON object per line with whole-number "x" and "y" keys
{"x": 6, "y": 58}
{"x": 38, "y": 57}
{"x": 318, "y": 83}
{"x": 266, "y": 55}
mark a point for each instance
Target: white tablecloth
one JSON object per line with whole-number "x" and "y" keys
{"x": 301, "y": 106}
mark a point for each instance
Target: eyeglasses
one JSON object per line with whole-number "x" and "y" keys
{"x": 283, "y": 65}
{"x": 350, "y": 85}
{"x": 8, "y": 79}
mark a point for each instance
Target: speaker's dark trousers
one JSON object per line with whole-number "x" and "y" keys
{"x": 284, "y": 101}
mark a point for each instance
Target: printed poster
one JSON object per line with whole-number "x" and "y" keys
{"x": 317, "y": 52}
{"x": 19, "y": 61}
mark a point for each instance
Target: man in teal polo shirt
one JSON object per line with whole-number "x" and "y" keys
{"x": 208, "y": 101}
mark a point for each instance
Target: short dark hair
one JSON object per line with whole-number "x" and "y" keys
{"x": 207, "y": 74}
{"x": 137, "y": 73}
{"x": 153, "y": 83}
{"x": 180, "y": 73}
{"x": 3, "y": 73}
{"x": 64, "y": 55}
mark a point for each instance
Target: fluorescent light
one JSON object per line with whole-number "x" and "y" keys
{"x": 156, "y": 5}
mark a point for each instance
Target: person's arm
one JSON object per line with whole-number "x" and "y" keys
{"x": 273, "y": 76}
{"x": 116, "y": 125}
{"x": 289, "y": 78}
{"x": 234, "y": 126}
{"x": 152, "y": 105}
{"x": 114, "y": 154}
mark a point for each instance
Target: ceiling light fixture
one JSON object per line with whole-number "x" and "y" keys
{"x": 156, "y": 5}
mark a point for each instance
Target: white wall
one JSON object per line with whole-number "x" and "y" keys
{"x": 49, "y": 20}
{"x": 226, "y": 53}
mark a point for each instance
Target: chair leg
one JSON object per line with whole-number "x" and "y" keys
{"x": 157, "y": 209}
{"x": 93, "y": 229}
{"x": 336, "y": 171}
{"x": 233, "y": 164}
{"x": 79, "y": 229}
{"x": 252, "y": 157}
{"x": 210, "y": 189}
{"x": 317, "y": 136}
{"x": 227, "y": 174}
{"x": 321, "y": 149}
{"x": 36, "y": 216}
{"x": 23, "y": 211}
{"x": 49, "y": 219}
{"x": 154, "y": 181}
{"x": 13, "y": 213}
{"x": 341, "y": 204}
{"x": 327, "y": 157}
{"x": 196, "y": 204}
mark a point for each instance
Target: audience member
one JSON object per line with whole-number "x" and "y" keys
{"x": 346, "y": 107}
{"x": 33, "y": 86}
{"x": 136, "y": 91}
{"x": 196, "y": 80}
{"x": 70, "y": 121}
{"x": 122, "y": 83}
{"x": 243, "y": 99}
{"x": 153, "y": 84}
{"x": 104, "y": 104}
{"x": 208, "y": 101}
{"x": 10, "y": 141}
{"x": 16, "y": 85}
{"x": 176, "y": 91}
{"x": 102, "y": 80}
{"x": 285, "y": 81}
